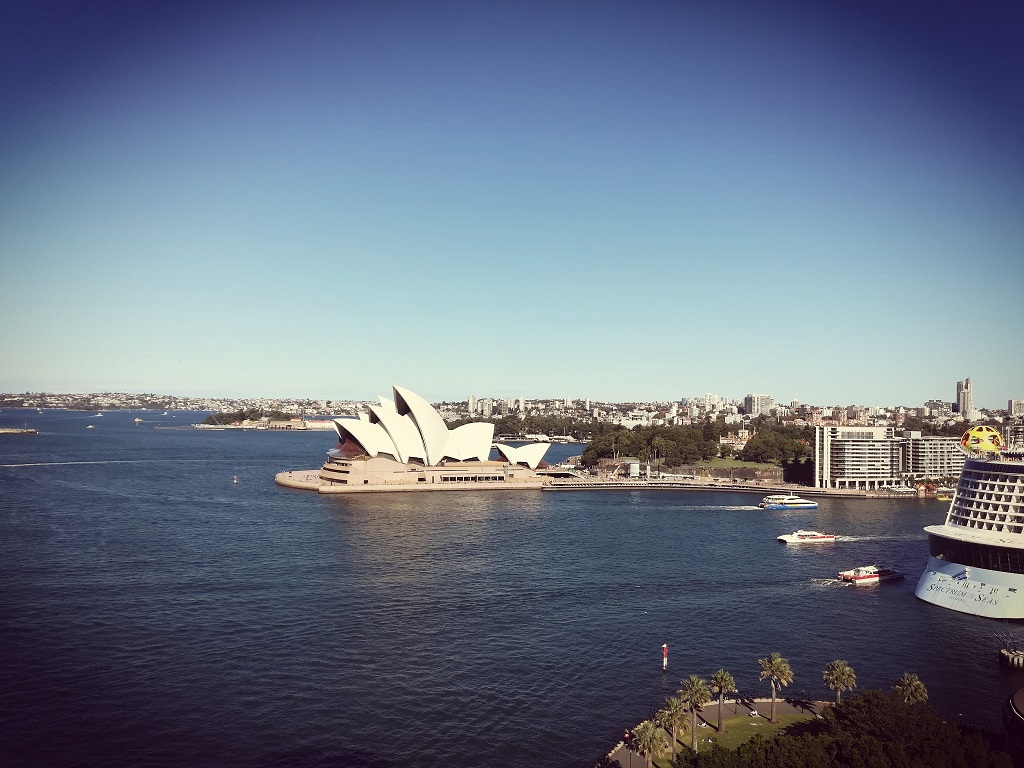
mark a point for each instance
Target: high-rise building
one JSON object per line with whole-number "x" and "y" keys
{"x": 964, "y": 398}
{"x": 758, "y": 405}
{"x": 472, "y": 405}
{"x": 1015, "y": 408}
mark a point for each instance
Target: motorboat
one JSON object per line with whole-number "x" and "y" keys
{"x": 869, "y": 574}
{"x": 807, "y": 537}
{"x": 786, "y": 502}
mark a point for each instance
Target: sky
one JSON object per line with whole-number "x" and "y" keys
{"x": 621, "y": 201}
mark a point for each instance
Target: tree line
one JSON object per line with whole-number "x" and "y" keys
{"x": 876, "y": 729}
{"x": 679, "y": 446}
{"x": 246, "y": 414}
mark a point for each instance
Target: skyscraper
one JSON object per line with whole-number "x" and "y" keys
{"x": 964, "y": 399}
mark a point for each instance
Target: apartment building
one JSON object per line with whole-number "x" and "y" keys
{"x": 869, "y": 458}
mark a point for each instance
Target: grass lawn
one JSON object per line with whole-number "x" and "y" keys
{"x": 734, "y": 463}
{"x": 739, "y": 730}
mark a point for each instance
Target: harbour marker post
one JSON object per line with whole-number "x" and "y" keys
{"x": 664, "y": 657}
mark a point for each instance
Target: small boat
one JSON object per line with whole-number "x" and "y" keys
{"x": 807, "y": 537}
{"x": 944, "y": 498}
{"x": 138, "y": 420}
{"x": 90, "y": 427}
{"x": 786, "y": 502}
{"x": 869, "y": 574}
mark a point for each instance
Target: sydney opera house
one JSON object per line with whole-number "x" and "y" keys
{"x": 404, "y": 444}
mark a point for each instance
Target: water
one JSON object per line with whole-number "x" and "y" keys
{"x": 153, "y": 613}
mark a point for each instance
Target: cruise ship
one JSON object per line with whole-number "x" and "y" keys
{"x": 976, "y": 558}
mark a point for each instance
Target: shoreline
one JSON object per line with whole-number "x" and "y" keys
{"x": 707, "y": 717}
{"x": 310, "y": 480}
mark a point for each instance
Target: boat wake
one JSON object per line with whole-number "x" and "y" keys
{"x": 829, "y": 583}
{"x": 901, "y": 537}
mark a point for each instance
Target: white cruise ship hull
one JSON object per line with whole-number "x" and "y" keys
{"x": 982, "y": 592}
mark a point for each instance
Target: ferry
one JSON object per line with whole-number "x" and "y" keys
{"x": 807, "y": 537}
{"x": 869, "y": 574}
{"x": 976, "y": 557}
{"x": 786, "y": 502}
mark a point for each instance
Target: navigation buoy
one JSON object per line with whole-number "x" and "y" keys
{"x": 664, "y": 657}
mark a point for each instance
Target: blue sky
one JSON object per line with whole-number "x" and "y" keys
{"x": 621, "y": 201}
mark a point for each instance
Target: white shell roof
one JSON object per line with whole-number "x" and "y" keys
{"x": 410, "y": 428}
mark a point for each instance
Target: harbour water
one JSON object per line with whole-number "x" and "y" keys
{"x": 155, "y": 613}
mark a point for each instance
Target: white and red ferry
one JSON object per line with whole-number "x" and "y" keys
{"x": 869, "y": 574}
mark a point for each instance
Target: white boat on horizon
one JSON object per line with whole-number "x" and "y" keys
{"x": 869, "y": 574}
{"x": 786, "y": 501}
{"x": 807, "y": 537}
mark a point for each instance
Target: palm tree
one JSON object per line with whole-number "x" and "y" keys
{"x": 839, "y": 676}
{"x": 656, "y": 443}
{"x": 649, "y": 740}
{"x": 910, "y": 690}
{"x": 776, "y": 670}
{"x": 672, "y": 716}
{"x": 721, "y": 684}
{"x": 694, "y": 694}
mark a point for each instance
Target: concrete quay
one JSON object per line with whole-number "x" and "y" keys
{"x": 310, "y": 480}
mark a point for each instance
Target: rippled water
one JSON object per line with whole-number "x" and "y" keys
{"x": 154, "y": 613}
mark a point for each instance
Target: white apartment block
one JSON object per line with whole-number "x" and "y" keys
{"x": 1015, "y": 408}
{"x": 862, "y": 458}
{"x": 932, "y": 457}
{"x": 869, "y": 458}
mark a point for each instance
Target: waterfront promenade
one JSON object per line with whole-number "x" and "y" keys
{"x": 309, "y": 479}
{"x": 736, "y": 712}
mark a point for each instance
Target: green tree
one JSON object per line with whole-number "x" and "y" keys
{"x": 649, "y": 740}
{"x": 673, "y": 716}
{"x": 694, "y": 694}
{"x": 910, "y": 690}
{"x": 776, "y": 670}
{"x": 839, "y": 676}
{"x": 722, "y": 683}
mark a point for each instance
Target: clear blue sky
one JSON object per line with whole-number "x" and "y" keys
{"x": 615, "y": 200}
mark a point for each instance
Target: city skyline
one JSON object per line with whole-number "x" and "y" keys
{"x": 635, "y": 203}
{"x": 570, "y": 402}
